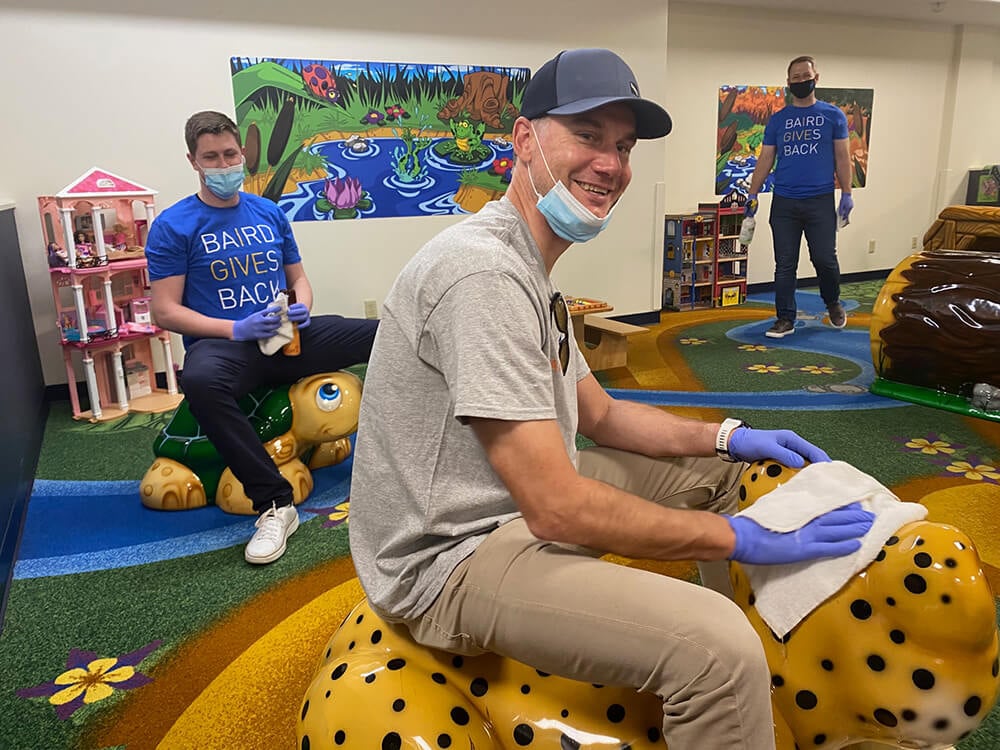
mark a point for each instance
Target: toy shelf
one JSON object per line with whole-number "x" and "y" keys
{"x": 100, "y": 294}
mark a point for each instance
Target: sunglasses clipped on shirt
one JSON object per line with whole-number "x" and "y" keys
{"x": 560, "y": 313}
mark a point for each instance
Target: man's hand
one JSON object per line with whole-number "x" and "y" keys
{"x": 298, "y": 313}
{"x": 750, "y": 210}
{"x": 845, "y": 208}
{"x": 258, "y": 325}
{"x": 784, "y": 446}
{"x": 833, "y": 534}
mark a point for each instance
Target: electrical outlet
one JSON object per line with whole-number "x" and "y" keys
{"x": 871, "y": 246}
{"x": 913, "y": 242}
{"x": 371, "y": 309}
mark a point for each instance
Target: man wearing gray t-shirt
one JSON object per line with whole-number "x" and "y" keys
{"x": 477, "y": 524}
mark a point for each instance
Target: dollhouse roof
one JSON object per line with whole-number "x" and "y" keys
{"x": 97, "y": 182}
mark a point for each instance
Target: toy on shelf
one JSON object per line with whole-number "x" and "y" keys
{"x": 100, "y": 290}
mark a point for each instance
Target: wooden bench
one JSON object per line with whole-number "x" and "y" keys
{"x": 606, "y": 341}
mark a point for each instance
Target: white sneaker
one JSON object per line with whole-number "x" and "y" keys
{"x": 273, "y": 528}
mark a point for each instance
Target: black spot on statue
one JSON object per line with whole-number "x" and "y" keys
{"x": 861, "y": 609}
{"x": 392, "y": 741}
{"x": 885, "y": 717}
{"x": 973, "y": 706}
{"x": 923, "y": 679}
{"x": 523, "y": 734}
{"x": 806, "y": 700}
{"x": 616, "y": 713}
{"x": 478, "y": 687}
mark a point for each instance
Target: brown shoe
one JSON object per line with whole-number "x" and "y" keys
{"x": 838, "y": 318}
{"x": 780, "y": 329}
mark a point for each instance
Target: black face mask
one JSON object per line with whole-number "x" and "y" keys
{"x": 802, "y": 89}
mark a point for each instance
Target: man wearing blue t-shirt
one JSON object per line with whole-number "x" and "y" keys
{"x": 216, "y": 261}
{"x": 809, "y": 141}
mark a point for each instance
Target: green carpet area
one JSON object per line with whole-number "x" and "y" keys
{"x": 187, "y": 620}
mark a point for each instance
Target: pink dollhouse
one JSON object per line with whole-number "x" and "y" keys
{"x": 94, "y": 230}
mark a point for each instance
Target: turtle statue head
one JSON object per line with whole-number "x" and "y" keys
{"x": 326, "y": 406}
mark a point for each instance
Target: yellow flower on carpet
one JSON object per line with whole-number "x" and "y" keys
{"x": 764, "y": 369}
{"x": 91, "y": 681}
{"x": 339, "y": 513}
{"x": 90, "y": 678}
{"x": 817, "y": 369}
{"x": 930, "y": 447}
{"x": 977, "y": 472}
{"x": 693, "y": 341}
{"x": 752, "y": 348}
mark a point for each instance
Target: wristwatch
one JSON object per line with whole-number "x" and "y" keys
{"x": 722, "y": 439}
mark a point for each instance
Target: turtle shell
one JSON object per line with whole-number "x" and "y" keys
{"x": 268, "y": 409}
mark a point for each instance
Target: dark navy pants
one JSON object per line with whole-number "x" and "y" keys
{"x": 218, "y": 373}
{"x": 817, "y": 218}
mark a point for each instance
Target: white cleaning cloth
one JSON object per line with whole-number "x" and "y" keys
{"x": 785, "y": 594}
{"x": 285, "y": 331}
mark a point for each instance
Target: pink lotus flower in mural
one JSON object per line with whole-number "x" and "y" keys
{"x": 343, "y": 198}
{"x": 89, "y": 679}
{"x": 343, "y": 193}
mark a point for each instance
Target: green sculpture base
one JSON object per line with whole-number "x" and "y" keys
{"x": 930, "y": 397}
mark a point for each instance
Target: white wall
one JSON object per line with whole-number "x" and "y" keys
{"x": 114, "y": 88}
{"x": 934, "y": 88}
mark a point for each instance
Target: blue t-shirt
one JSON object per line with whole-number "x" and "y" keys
{"x": 233, "y": 259}
{"x": 803, "y": 141}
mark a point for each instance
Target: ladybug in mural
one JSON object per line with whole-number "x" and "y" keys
{"x": 320, "y": 81}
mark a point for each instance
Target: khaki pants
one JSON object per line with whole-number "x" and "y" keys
{"x": 562, "y": 610}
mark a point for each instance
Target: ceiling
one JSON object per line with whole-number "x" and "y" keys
{"x": 950, "y": 12}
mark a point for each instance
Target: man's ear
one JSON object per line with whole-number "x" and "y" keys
{"x": 522, "y": 138}
{"x": 191, "y": 160}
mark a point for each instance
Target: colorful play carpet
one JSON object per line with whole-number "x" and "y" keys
{"x": 134, "y": 629}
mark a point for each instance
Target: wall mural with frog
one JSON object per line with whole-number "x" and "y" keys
{"x": 329, "y": 140}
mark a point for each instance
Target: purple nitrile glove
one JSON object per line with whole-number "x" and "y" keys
{"x": 784, "y": 446}
{"x": 751, "y": 207}
{"x": 258, "y": 325}
{"x": 298, "y": 313}
{"x": 833, "y": 534}
{"x": 845, "y": 207}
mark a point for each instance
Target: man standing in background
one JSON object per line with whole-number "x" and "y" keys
{"x": 809, "y": 141}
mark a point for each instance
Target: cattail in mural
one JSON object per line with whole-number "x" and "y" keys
{"x": 252, "y": 148}
{"x": 282, "y": 130}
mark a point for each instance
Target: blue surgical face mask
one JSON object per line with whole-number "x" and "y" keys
{"x": 224, "y": 182}
{"x": 566, "y": 216}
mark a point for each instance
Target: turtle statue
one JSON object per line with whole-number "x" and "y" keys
{"x": 303, "y": 426}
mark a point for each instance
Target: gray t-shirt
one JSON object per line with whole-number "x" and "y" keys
{"x": 466, "y": 331}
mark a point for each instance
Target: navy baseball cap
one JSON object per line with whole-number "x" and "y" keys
{"x": 579, "y": 80}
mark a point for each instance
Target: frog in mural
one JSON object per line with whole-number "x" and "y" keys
{"x": 466, "y": 145}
